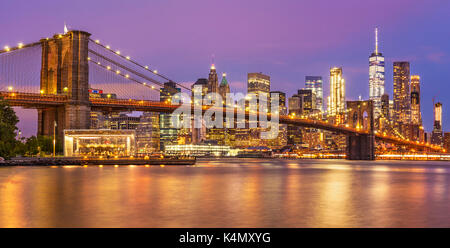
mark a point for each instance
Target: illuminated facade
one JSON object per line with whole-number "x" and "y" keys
{"x": 213, "y": 80}
{"x": 168, "y": 134}
{"x": 199, "y": 134}
{"x": 336, "y": 100}
{"x": 402, "y": 101}
{"x": 436, "y": 136}
{"x": 99, "y": 143}
{"x": 147, "y": 133}
{"x": 376, "y": 77}
{"x": 315, "y": 84}
{"x": 200, "y": 150}
{"x": 281, "y": 139}
{"x": 416, "y": 117}
{"x": 258, "y": 83}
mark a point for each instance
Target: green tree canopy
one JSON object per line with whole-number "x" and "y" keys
{"x": 8, "y": 128}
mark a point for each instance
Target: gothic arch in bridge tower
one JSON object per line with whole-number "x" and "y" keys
{"x": 360, "y": 114}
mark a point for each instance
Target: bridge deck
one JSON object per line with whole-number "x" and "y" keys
{"x": 34, "y": 100}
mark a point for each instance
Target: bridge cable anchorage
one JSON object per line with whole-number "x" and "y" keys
{"x": 127, "y": 68}
{"x": 124, "y": 75}
{"x": 137, "y": 64}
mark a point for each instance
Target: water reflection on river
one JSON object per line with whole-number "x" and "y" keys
{"x": 229, "y": 193}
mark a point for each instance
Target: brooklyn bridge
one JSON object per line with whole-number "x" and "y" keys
{"x": 70, "y": 64}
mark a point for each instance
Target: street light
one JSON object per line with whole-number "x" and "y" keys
{"x": 54, "y": 139}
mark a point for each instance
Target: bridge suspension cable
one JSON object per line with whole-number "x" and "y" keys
{"x": 127, "y": 76}
{"x": 155, "y": 72}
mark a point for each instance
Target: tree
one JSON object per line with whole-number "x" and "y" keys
{"x": 8, "y": 128}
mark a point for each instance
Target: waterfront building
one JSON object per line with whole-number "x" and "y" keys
{"x": 336, "y": 100}
{"x": 447, "y": 141}
{"x": 402, "y": 96}
{"x": 376, "y": 78}
{"x": 416, "y": 116}
{"x": 121, "y": 122}
{"x": 168, "y": 133}
{"x": 436, "y": 136}
{"x": 200, "y": 150}
{"x": 99, "y": 143}
{"x": 315, "y": 84}
{"x": 147, "y": 133}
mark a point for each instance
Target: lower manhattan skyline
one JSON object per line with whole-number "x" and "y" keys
{"x": 287, "y": 47}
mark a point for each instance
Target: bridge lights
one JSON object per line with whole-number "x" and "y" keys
{"x": 10, "y": 88}
{"x": 118, "y": 52}
{"x": 127, "y": 76}
{"x": 117, "y": 72}
{"x": 108, "y": 67}
{"x": 146, "y": 67}
{"x": 155, "y": 71}
{"x": 97, "y": 41}
{"x": 108, "y": 47}
{"x": 6, "y": 48}
{"x": 20, "y": 45}
{"x": 128, "y": 57}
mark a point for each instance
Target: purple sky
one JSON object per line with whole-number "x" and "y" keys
{"x": 284, "y": 39}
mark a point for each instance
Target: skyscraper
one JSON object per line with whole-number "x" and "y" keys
{"x": 168, "y": 133}
{"x": 258, "y": 83}
{"x": 224, "y": 88}
{"x": 376, "y": 77}
{"x": 436, "y": 136}
{"x": 416, "y": 117}
{"x": 315, "y": 84}
{"x": 336, "y": 100}
{"x": 402, "y": 101}
{"x": 213, "y": 80}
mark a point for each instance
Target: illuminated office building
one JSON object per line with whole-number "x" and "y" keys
{"x": 199, "y": 134}
{"x": 258, "y": 83}
{"x": 168, "y": 133}
{"x": 308, "y": 101}
{"x": 224, "y": 87}
{"x": 294, "y": 134}
{"x": 147, "y": 133}
{"x": 281, "y": 139}
{"x": 402, "y": 96}
{"x": 213, "y": 80}
{"x": 376, "y": 78}
{"x": 416, "y": 117}
{"x": 315, "y": 84}
{"x": 336, "y": 100}
{"x": 436, "y": 136}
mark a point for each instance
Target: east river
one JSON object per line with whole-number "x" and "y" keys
{"x": 229, "y": 193}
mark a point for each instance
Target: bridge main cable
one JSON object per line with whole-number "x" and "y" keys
{"x": 139, "y": 65}
{"x": 127, "y": 68}
{"x": 19, "y": 47}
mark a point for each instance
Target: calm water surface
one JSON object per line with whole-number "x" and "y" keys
{"x": 229, "y": 193}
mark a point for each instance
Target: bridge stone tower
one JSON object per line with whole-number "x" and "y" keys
{"x": 361, "y": 147}
{"x": 65, "y": 71}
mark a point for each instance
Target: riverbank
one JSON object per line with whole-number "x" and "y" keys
{"x": 96, "y": 161}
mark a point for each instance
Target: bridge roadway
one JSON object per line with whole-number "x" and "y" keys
{"x": 35, "y": 100}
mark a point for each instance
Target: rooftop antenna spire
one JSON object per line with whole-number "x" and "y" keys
{"x": 376, "y": 40}
{"x": 65, "y": 28}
